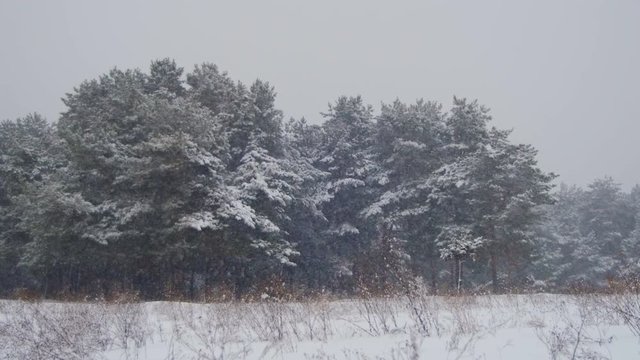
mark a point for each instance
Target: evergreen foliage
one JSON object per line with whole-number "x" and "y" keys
{"x": 175, "y": 184}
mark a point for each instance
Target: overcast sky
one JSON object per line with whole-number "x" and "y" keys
{"x": 565, "y": 75}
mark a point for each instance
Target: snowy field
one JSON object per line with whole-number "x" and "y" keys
{"x": 541, "y": 326}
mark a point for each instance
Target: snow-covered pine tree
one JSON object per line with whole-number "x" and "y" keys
{"x": 346, "y": 156}
{"x": 307, "y": 222}
{"x": 264, "y": 181}
{"x": 409, "y": 140}
{"x": 152, "y": 164}
{"x": 557, "y": 237}
{"x": 517, "y": 188}
{"x": 231, "y": 103}
{"x": 457, "y": 244}
{"x": 631, "y": 244}
{"x": 30, "y": 152}
{"x": 605, "y": 220}
{"x": 491, "y": 186}
{"x": 165, "y": 75}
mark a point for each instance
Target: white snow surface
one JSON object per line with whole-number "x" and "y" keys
{"x": 539, "y": 326}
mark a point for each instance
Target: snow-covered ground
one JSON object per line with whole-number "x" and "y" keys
{"x": 541, "y": 326}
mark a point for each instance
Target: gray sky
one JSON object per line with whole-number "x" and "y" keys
{"x": 565, "y": 75}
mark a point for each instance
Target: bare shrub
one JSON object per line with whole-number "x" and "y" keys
{"x": 129, "y": 323}
{"x": 570, "y": 337}
{"x": 627, "y": 306}
{"x": 312, "y": 320}
{"x": 210, "y": 332}
{"x": 269, "y": 319}
{"x": 379, "y": 313}
{"x": 53, "y": 331}
{"x": 557, "y": 340}
{"x": 407, "y": 350}
{"x": 423, "y": 311}
{"x": 463, "y": 316}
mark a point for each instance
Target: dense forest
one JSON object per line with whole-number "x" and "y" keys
{"x": 172, "y": 184}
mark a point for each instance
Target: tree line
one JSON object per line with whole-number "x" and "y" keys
{"x": 171, "y": 184}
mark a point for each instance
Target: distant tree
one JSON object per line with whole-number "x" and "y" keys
{"x": 408, "y": 149}
{"x": 169, "y": 178}
{"x": 492, "y": 187}
{"x": 557, "y": 237}
{"x": 165, "y": 75}
{"x": 307, "y": 221}
{"x": 631, "y": 244}
{"x": 605, "y": 220}
{"x": 347, "y": 160}
{"x": 457, "y": 244}
{"x": 170, "y": 183}
{"x": 30, "y": 152}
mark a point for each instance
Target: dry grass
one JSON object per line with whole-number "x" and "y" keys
{"x": 568, "y": 326}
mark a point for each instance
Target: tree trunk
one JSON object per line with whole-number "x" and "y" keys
{"x": 460, "y": 264}
{"x": 192, "y": 285}
{"x": 494, "y": 273}
{"x": 454, "y": 273}
{"x": 434, "y": 283}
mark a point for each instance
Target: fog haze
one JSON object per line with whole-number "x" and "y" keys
{"x": 564, "y": 75}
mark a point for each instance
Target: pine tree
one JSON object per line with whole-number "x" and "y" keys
{"x": 491, "y": 186}
{"x": 152, "y": 164}
{"x": 408, "y": 149}
{"x": 307, "y": 221}
{"x": 631, "y": 244}
{"x": 605, "y": 220}
{"x": 30, "y": 152}
{"x": 557, "y": 237}
{"x": 165, "y": 75}
{"x": 346, "y": 157}
{"x": 170, "y": 184}
{"x": 458, "y": 244}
